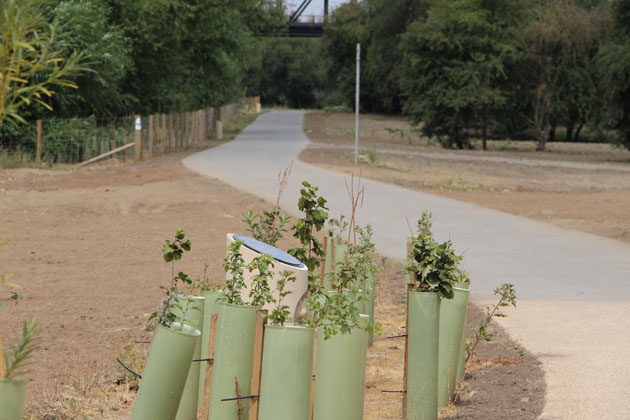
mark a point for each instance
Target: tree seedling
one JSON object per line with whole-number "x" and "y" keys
{"x": 280, "y": 313}
{"x": 433, "y": 266}
{"x": 269, "y": 226}
{"x": 507, "y": 297}
{"x": 173, "y": 251}
{"x": 234, "y": 266}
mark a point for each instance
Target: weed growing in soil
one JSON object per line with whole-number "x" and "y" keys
{"x": 507, "y": 297}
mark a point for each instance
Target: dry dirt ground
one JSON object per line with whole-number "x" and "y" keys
{"x": 588, "y": 189}
{"x": 86, "y": 246}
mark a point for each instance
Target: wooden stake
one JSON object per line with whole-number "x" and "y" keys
{"x": 207, "y": 386}
{"x": 39, "y": 141}
{"x": 178, "y": 130}
{"x": 259, "y": 338}
{"x": 138, "y": 138}
{"x": 194, "y": 122}
{"x": 110, "y": 153}
{"x": 313, "y": 377}
{"x": 150, "y": 148}
{"x": 170, "y": 132}
{"x": 404, "y": 404}
{"x": 164, "y": 134}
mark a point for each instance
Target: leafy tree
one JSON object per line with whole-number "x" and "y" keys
{"x": 291, "y": 72}
{"x": 613, "y": 63}
{"x": 108, "y": 53}
{"x": 559, "y": 41}
{"x": 33, "y": 58}
{"x": 455, "y": 66}
{"x": 347, "y": 28}
{"x": 383, "y": 61}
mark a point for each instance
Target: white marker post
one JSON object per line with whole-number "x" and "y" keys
{"x": 356, "y": 106}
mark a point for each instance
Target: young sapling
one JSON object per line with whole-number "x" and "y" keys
{"x": 433, "y": 266}
{"x": 234, "y": 266}
{"x": 280, "y": 313}
{"x": 17, "y": 359}
{"x": 172, "y": 251}
{"x": 507, "y": 297}
{"x": 260, "y": 292}
{"x": 269, "y": 226}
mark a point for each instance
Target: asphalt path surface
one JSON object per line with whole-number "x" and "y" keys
{"x": 573, "y": 288}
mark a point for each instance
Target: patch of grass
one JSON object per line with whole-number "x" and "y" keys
{"x": 14, "y": 160}
{"x": 238, "y": 124}
{"x": 84, "y": 397}
{"x": 453, "y": 184}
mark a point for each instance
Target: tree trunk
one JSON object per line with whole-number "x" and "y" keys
{"x": 569, "y": 135}
{"x": 576, "y": 136}
{"x": 552, "y": 133}
{"x": 484, "y": 137}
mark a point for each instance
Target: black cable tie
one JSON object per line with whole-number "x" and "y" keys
{"x": 240, "y": 398}
{"x": 203, "y": 360}
{"x": 397, "y": 392}
{"x": 142, "y": 342}
{"x": 127, "y": 369}
{"x": 397, "y": 336}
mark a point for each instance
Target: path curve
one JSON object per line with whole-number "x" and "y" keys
{"x": 573, "y": 287}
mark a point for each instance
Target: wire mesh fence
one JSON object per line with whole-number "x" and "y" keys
{"x": 76, "y": 140}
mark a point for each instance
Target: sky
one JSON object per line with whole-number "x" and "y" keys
{"x": 316, "y": 7}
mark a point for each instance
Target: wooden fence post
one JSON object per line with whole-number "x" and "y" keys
{"x": 177, "y": 129}
{"x": 169, "y": 146}
{"x": 219, "y": 124}
{"x": 138, "y": 137}
{"x": 150, "y": 143}
{"x": 157, "y": 134}
{"x": 193, "y": 127}
{"x": 39, "y": 141}
{"x": 164, "y": 136}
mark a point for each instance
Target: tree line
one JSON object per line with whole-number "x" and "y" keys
{"x": 542, "y": 69}
{"x": 140, "y": 56}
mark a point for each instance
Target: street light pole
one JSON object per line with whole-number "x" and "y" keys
{"x": 356, "y": 107}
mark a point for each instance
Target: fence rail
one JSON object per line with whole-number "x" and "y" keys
{"x": 82, "y": 140}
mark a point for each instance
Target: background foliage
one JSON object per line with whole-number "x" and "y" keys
{"x": 457, "y": 68}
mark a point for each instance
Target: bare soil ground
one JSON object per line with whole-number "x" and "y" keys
{"x": 86, "y": 247}
{"x": 574, "y": 185}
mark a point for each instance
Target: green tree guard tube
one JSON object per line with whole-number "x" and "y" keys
{"x": 233, "y": 354}
{"x": 165, "y": 375}
{"x": 461, "y": 360}
{"x": 287, "y": 369}
{"x": 12, "y": 393}
{"x": 422, "y": 355}
{"x": 452, "y": 316}
{"x": 340, "y": 376}
{"x": 193, "y": 307}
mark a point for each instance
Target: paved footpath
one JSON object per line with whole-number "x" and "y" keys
{"x": 573, "y": 288}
